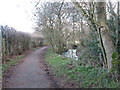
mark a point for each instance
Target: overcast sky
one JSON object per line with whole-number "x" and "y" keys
{"x": 18, "y": 13}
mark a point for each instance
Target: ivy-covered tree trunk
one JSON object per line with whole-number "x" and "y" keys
{"x": 105, "y": 33}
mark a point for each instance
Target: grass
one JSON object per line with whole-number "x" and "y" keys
{"x": 11, "y": 62}
{"x": 84, "y": 76}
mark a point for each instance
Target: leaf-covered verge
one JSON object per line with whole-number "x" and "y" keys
{"x": 11, "y": 62}
{"x": 84, "y": 76}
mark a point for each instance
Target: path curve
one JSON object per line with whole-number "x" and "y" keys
{"x": 30, "y": 73}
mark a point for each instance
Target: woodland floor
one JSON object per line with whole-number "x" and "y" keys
{"x": 30, "y": 73}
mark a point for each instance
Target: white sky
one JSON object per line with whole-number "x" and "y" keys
{"x": 18, "y": 13}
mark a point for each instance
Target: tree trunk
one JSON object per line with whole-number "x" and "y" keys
{"x": 105, "y": 33}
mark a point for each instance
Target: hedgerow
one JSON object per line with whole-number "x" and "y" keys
{"x": 15, "y": 42}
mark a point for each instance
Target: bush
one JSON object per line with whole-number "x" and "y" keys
{"x": 16, "y": 42}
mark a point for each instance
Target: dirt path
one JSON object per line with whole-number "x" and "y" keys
{"x": 30, "y": 73}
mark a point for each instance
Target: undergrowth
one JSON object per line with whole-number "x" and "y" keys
{"x": 85, "y": 76}
{"x": 11, "y": 63}
{"x": 14, "y": 61}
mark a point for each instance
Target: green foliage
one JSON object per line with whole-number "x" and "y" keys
{"x": 90, "y": 54}
{"x": 84, "y": 76}
{"x": 115, "y": 62}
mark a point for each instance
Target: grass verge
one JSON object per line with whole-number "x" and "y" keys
{"x": 11, "y": 62}
{"x": 84, "y": 76}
